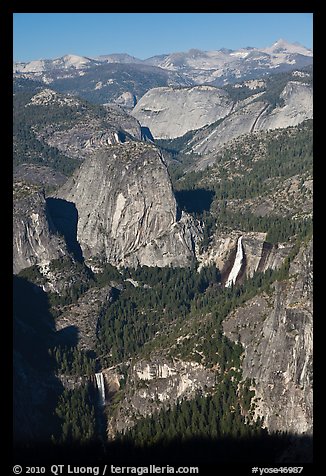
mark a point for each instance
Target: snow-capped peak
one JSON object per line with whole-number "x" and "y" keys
{"x": 283, "y": 46}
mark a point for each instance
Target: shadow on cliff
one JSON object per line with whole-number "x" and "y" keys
{"x": 67, "y": 337}
{"x": 146, "y": 134}
{"x": 36, "y": 388}
{"x": 267, "y": 449}
{"x": 64, "y": 215}
{"x": 195, "y": 201}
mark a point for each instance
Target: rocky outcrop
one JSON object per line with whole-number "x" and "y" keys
{"x": 155, "y": 384}
{"x": 169, "y": 112}
{"x": 261, "y": 255}
{"x": 35, "y": 240}
{"x": 86, "y": 128}
{"x": 276, "y": 333}
{"x": 126, "y": 100}
{"x": 127, "y": 212}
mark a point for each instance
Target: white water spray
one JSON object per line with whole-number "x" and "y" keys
{"x": 100, "y": 385}
{"x": 236, "y": 265}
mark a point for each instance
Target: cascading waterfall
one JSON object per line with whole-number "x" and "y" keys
{"x": 100, "y": 385}
{"x": 236, "y": 265}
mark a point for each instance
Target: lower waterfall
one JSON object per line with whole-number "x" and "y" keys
{"x": 100, "y": 385}
{"x": 236, "y": 265}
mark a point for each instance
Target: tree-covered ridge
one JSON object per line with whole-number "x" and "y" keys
{"x": 176, "y": 313}
{"x": 163, "y": 307}
{"x": 77, "y": 417}
{"x": 157, "y": 298}
{"x": 72, "y": 361}
{"x": 113, "y": 79}
{"x": 33, "y": 120}
{"x": 260, "y": 182}
{"x": 26, "y": 147}
{"x": 249, "y": 160}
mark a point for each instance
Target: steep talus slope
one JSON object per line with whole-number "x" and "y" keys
{"x": 84, "y": 315}
{"x": 34, "y": 236}
{"x": 170, "y": 112}
{"x": 127, "y": 212}
{"x": 276, "y": 332}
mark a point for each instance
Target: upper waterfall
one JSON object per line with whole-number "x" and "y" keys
{"x": 236, "y": 265}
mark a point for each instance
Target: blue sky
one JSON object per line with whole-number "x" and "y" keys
{"x": 50, "y": 35}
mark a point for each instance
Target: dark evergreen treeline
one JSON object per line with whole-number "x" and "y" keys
{"x": 164, "y": 303}
{"x": 72, "y": 361}
{"x": 79, "y": 278}
{"x": 77, "y": 416}
{"x": 278, "y": 229}
{"x": 136, "y": 322}
{"x": 27, "y": 149}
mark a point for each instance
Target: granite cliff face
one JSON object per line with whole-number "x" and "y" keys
{"x": 35, "y": 239}
{"x": 155, "y": 384}
{"x": 259, "y": 255}
{"x": 276, "y": 333}
{"x": 257, "y": 115}
{"x": 127, "y": 212}
{"x": 170, "y": 112}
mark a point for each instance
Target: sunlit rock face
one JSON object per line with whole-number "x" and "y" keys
{"x": 127, "y": 212}
{"x": 276, "y": 332}
{"x": 35, "y": 240}
{"x": 169, "y": 112}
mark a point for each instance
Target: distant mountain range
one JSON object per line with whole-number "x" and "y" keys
{"x": 104, "y": 78}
